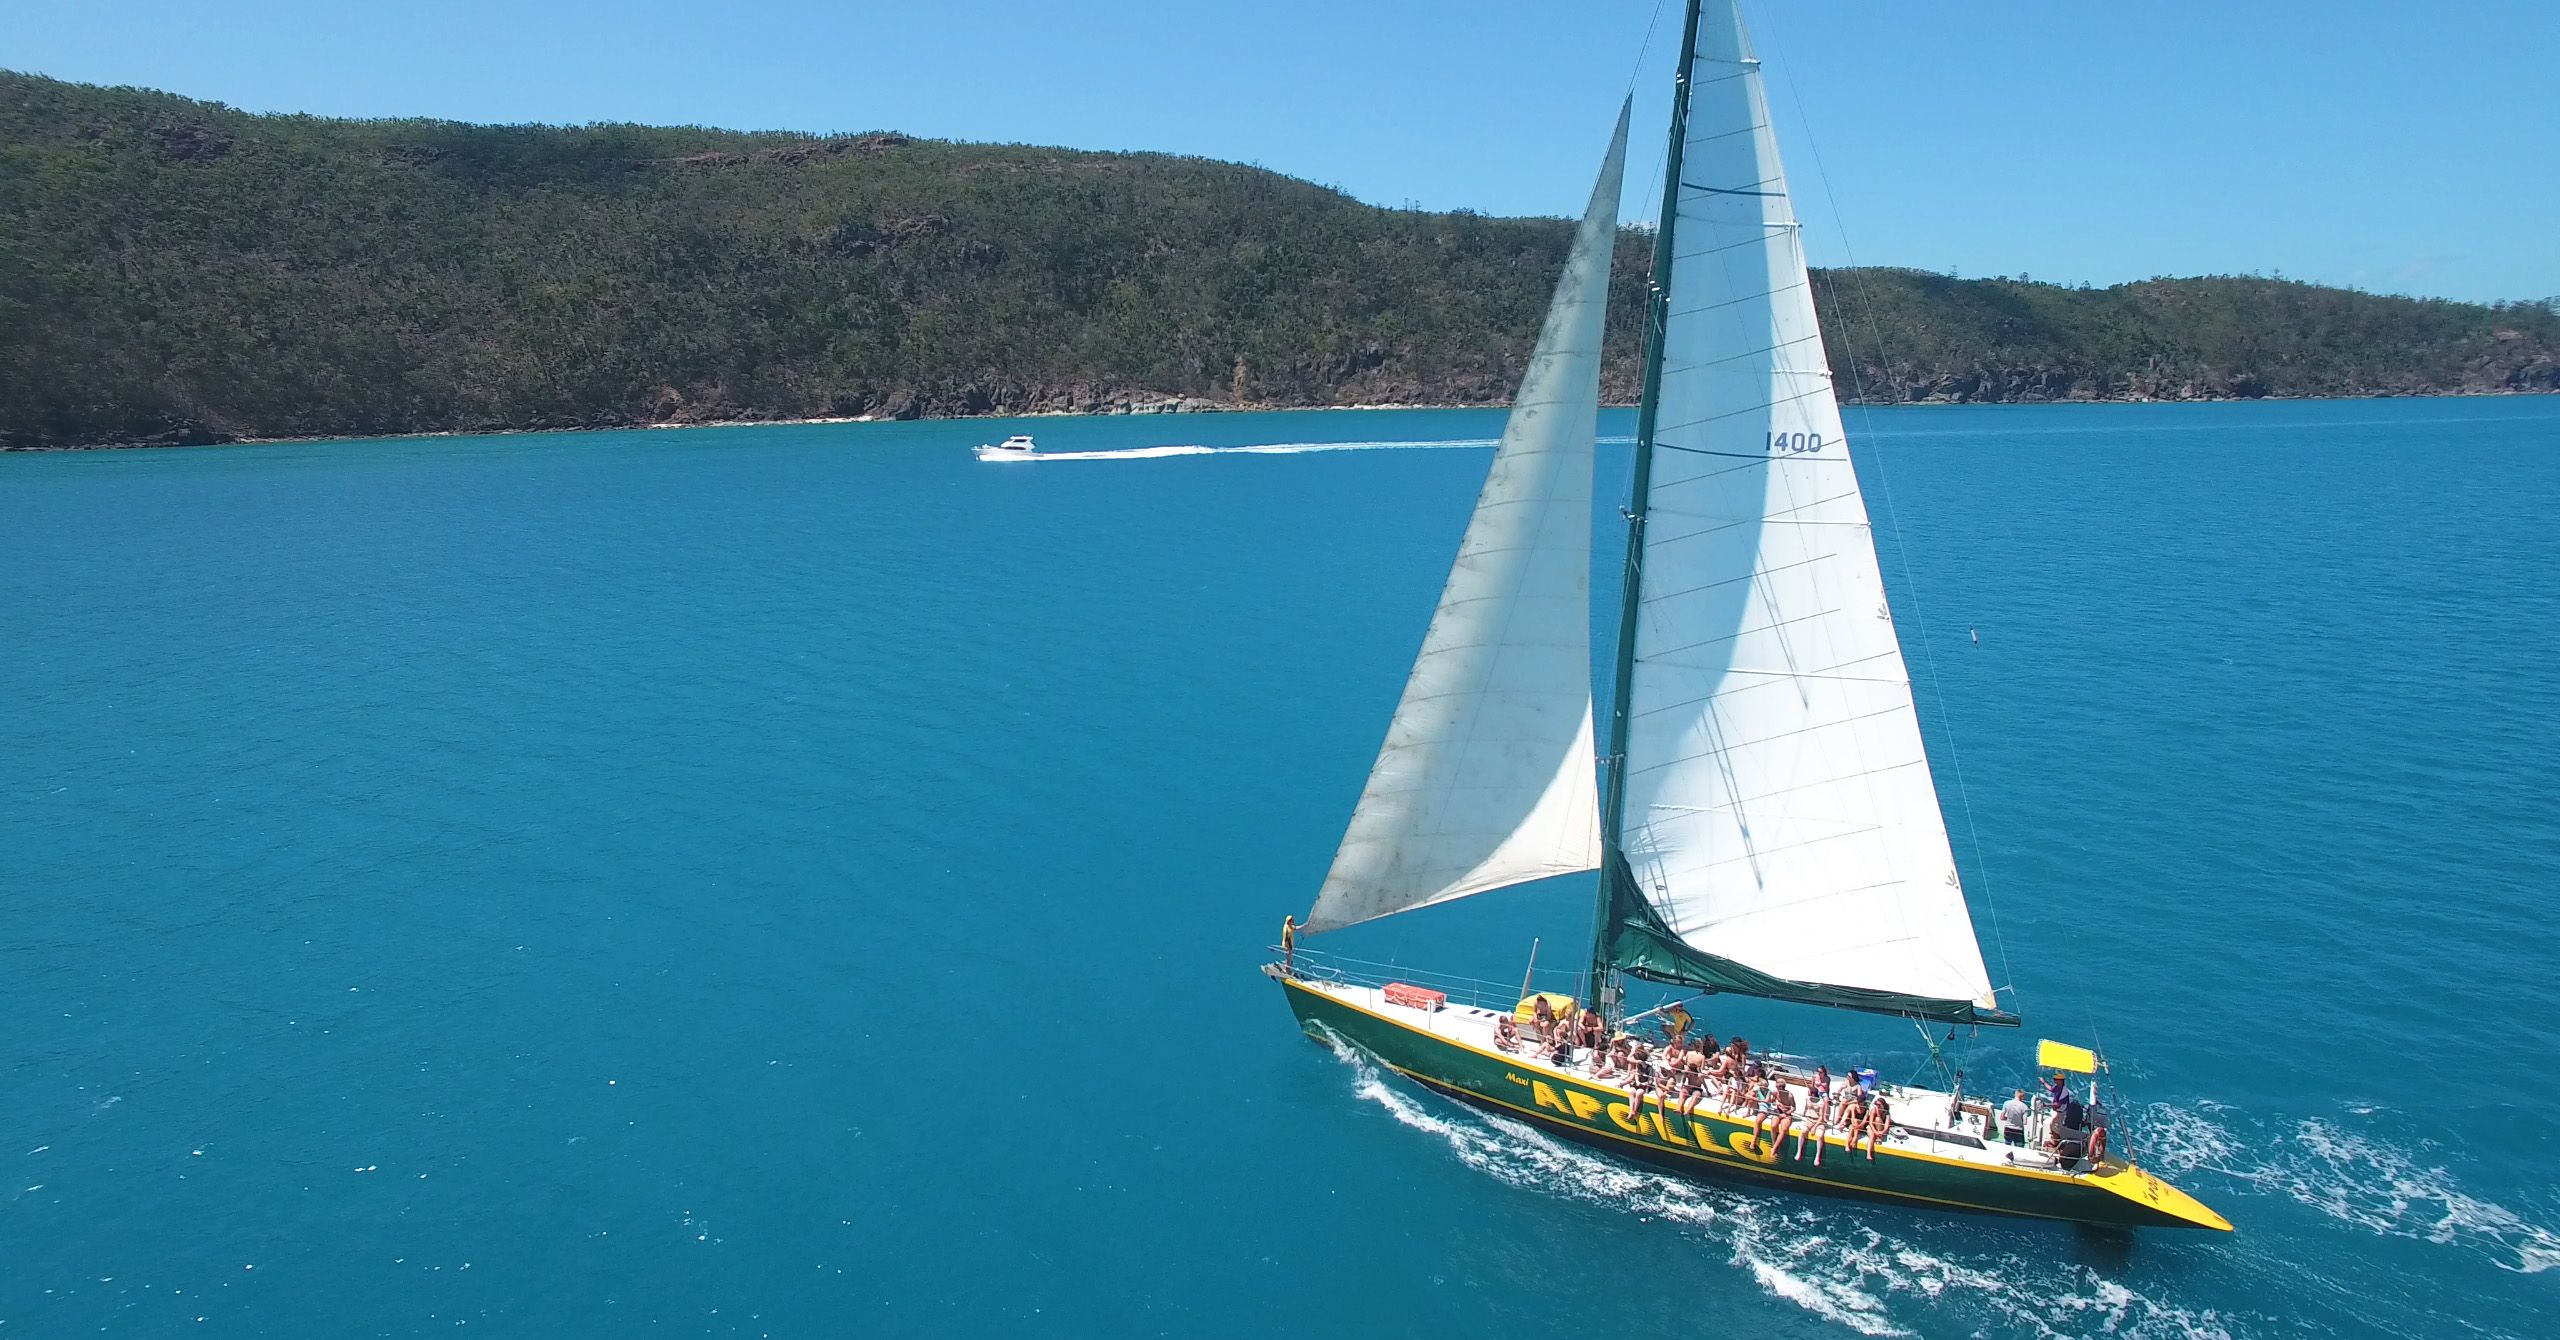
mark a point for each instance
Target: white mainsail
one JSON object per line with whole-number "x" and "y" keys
{"x": 1486, "y": 776}
{"x": 1779, "y": 812}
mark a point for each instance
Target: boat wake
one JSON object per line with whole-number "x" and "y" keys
{"x": 1266, "y": 449}
{"x": 2372, "y": 1183}
{"x": 1262, "y": 449}
{"x": 1817, "y": 1258}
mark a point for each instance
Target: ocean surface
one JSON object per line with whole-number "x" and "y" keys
{"x": 802, "y": 881}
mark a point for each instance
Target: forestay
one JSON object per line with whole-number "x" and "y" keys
{"x": 1486, "y": 776}
{"x": 1780, "y": 826}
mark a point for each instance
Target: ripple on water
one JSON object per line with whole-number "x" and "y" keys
{"x": 2351, "y": 1173}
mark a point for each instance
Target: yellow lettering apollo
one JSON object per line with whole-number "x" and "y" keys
{"x": 1748, "y": 1145}
{"x": 1544, "y": 1095}
{"x": 1585, "y": 1107}
{"x": 1618, "y": 1112}
{"x": 1663, "y": 1127}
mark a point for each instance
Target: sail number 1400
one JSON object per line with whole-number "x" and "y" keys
{"x": 1784, "y": 444}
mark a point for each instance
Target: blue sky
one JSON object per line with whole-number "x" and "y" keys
{"x": 2398, "y": 147}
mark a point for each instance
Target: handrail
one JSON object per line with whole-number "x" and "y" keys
{"x": 1479, "y": 992}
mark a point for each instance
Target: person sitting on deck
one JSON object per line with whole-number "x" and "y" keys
{"x": 1879, "y": 1125}
{"x": 1506, "y": 1034}
{"x": 1834, "y": 1115}
{"x": 2013, "y": 1120}
{"x": 1643, "y": 1081}
{"x": 1595, "y": 1030}
{"x": 1542, "y": 1025}
{"x": 1817, "y": 1110}
{"x": 1720, "y": 1080}
{"x": 1783, "y": 1096}
{"x": 1559, "y": 1051}
{"x": 1850, "y": 1113}
{"x": 1692, "y": 1077}
{"x": 1609, "y": 1060}
{"x": 1762, "y": 1104}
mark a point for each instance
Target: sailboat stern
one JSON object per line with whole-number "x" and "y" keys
{"x": 2171, "y": 1207}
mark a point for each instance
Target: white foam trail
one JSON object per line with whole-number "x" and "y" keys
{"x": 1264, "y": 449}
{"x": 2376, "y": 1185}
{"x": 1814, "y": 1255}
{"x": 1128, "y": 454}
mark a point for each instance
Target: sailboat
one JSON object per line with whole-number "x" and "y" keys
{"x": 1762, "y": 819}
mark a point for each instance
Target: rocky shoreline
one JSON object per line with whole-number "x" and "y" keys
{"x": 914, "y": 410}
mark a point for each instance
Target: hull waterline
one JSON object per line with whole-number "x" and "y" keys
{"x": 1710, "y": 1145}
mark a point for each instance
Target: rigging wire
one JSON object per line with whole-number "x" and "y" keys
{"x": 1652, "y": 191}
{"x": 1645, "y": 47}
{"x": 1884, "y": 478}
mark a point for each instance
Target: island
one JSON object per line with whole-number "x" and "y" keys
{"x": 177, "y": 272}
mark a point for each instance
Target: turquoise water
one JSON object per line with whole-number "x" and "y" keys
{"x": 800, "y": 881}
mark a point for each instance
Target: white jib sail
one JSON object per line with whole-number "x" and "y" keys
{"x": 1780, "y": 811}
{"x": 1486, "y": 776}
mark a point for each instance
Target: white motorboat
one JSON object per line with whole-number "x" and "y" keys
{"x": 1015, "y": 448}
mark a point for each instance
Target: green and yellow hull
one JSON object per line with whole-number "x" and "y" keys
{"x": 1710, "y": 1145}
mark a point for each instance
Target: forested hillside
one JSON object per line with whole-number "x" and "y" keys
{"x": 175, "y": 271}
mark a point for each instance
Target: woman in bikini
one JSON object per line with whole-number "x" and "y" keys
{"x": 1640, "y": 1083}
{"x": 1817, "y": 1110}
{"x": 1692, "y": 1079}
{"x": 1506, "y": 1034}
{"x": 1852, "y": 1116}
{"x": 1784, "y": 1096}
{"x": 1607, "y": 1061}
{"x": 1879, "y": 1125}
{"x": 1763, "y": 1107}
{"x": 1834, "y": 1110}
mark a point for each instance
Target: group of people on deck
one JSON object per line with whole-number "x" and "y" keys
{"x": 2077, "y": 1128}
{"x": 1685, "y": 1072}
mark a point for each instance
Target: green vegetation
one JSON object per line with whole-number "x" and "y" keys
{"x": 173, "y": 270}
{"x": 2219, "y": 337}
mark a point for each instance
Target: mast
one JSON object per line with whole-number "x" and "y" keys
{"x": 1613, "y": 807}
